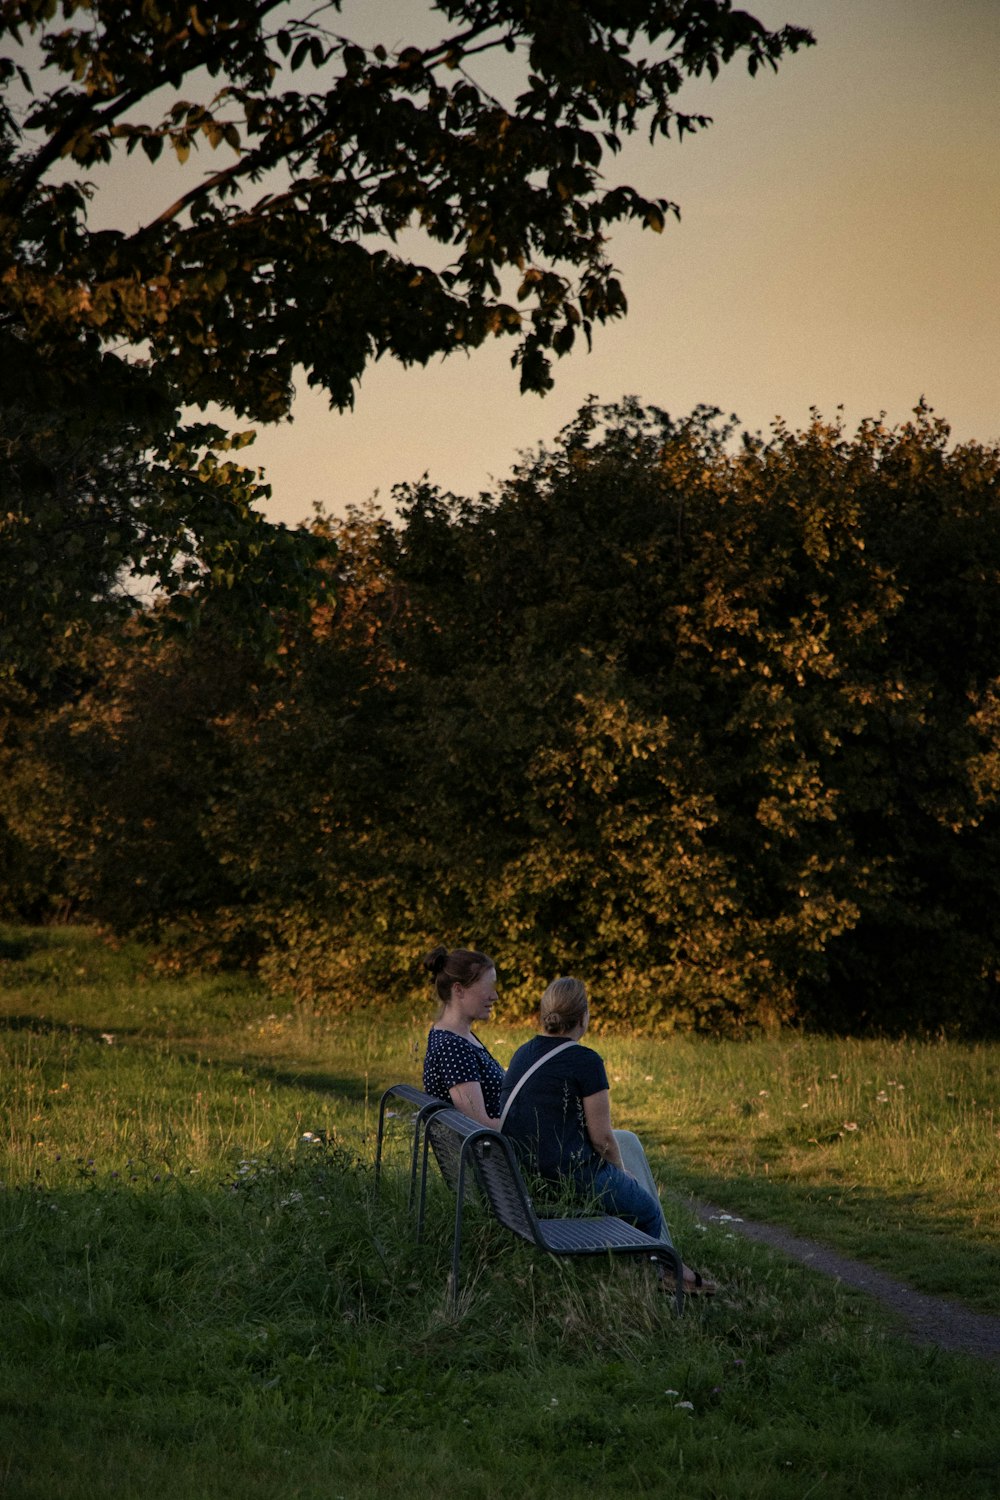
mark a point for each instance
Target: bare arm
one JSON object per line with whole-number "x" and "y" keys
{"x": 597, "y": 1113}
{"x": 468, "y": 1097}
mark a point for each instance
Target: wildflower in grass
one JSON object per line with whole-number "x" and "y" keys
{"x": 850, "y": 1124}
{"x": 683, "y": 1406}
{"x": 671, "y": 1393}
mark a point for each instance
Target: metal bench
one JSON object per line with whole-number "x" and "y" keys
{"x": 424, "y": 1105}
{"x": 464, "y": 1149}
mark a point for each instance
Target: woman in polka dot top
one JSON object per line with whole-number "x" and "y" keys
{"x": 457, "y": 1067}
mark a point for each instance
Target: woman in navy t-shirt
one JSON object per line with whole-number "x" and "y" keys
{"x": 560, "y": 1117}
{"x": 457, "y": 1067}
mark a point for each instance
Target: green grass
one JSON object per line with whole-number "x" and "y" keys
{"x": 203, "y": 1297}
{"x": 889, "y": 1151}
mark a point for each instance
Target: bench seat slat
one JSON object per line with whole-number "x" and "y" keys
{"x": 592, "y": 1236}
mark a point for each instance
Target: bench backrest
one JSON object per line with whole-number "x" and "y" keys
{"x": 447, "y": 1143}
{"x": 412, "y": 1095}
{"x": 493, "y": 1164}
{"x": 500, "y": 1179}
{"x": 422, "y": 1106}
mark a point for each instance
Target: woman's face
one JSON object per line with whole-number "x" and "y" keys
{"x": 478, "y": 999}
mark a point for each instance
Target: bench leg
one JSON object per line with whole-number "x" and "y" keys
{"x": 671, "y": 1261}
{"x": 456, "y": 1248}
{"x": 378, "y": 1140}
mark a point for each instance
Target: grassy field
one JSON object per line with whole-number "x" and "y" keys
{"x": 203, "y": 1297}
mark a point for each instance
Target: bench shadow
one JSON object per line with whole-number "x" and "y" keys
{"x": 256, "y": 1070}
{"x": 17, "y": 949}
{"x": 345, "y": 1087}
{"x": 44, "y": 1026}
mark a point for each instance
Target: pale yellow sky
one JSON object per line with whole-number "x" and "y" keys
{"x": 839, "y": 245}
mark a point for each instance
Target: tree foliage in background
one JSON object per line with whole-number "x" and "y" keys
{"x": 353, "y": 202}
{"x": 714, "y": 725}
{"x": 108, "y": 498}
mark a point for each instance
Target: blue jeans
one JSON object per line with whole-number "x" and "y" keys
{"x": 622, "y": 1195}
{"x": 634, "y": 1161}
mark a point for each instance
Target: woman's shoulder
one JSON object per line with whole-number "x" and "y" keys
{"x": 588, "y": 1065}
{"x": 541, "y": 1046}
{"x": 438, "y": 1036}
{"x": 527, "y": 1052}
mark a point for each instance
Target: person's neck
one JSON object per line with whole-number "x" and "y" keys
{"x": 458, "y": 1024}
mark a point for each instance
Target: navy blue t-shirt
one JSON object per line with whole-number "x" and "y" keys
{"x": 452, "y": 1059}
{"x": 546, "y": 1120}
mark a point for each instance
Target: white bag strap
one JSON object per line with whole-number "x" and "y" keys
{"x": 519, "y": 1085}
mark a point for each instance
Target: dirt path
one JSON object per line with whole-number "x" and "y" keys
{"x": 929, "y": 1320}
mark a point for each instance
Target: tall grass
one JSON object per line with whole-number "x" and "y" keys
{"x": 203, "y": 1296}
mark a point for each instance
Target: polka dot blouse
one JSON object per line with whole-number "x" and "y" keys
{"x": 452, "y": 1059}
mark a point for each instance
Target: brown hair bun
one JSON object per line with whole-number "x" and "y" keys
{"x": 563, "y": 1005}
{"x": 461, "y": 966}
{"x": 435, "y": 960}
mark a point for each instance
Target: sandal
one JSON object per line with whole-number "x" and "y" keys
{"x": 695, "y": 1284}
{"x": 699, "y": 1286}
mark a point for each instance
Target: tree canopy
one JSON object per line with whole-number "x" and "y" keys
{"x": 715, "y": 725}
{"x": 289, "y": 251}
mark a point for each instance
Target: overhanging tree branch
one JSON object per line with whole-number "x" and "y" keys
{"x": 13, "y": 200}
{"x": 228, "y": 298}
